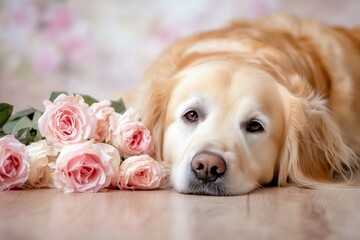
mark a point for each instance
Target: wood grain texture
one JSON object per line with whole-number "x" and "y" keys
{"x": 270, "y": 213}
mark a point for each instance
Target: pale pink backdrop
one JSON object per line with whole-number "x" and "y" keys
{"x": 101, "y": 48}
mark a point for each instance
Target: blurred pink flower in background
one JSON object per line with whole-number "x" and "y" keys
{"x": 63, "y": 41}
{"x": 77, "y": 45}
{"x": 57, "y": 19}
{"x": 46, "y": 58}
{"x": 23, "y": 16}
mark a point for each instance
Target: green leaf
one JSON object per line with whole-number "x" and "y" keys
{"x": 5, "y": 113}
{"x": 9, "y": 126}
{"x": 35, "y": 119}
{"x": 23, "y": 125}
{"x": 27, "y": 118}
{"x": 35, "y": 126}
{"x": 24, "y": 136}
{"x": 23, "y": 122}
{"x": 119, "y": 106}
{"x": 89, "y": 100}
{"x": 35, "y": 135}
{"x": 23, "y": 113}
{"x": 54, "y": 95}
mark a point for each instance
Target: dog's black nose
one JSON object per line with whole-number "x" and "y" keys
{"x": 208, "y": 166}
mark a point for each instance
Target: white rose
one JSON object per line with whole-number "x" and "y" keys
{"x": 41, "y": 154}
{"x": 102, "y": 112}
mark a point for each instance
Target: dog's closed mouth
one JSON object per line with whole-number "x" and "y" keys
{"x": 208, "y": 172}
{"x": 199, "y": 187}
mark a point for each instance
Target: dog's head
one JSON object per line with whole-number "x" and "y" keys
{"x": 224, "y": 128}
{"x": 226, "y": 124}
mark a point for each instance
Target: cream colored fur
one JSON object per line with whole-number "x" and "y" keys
{"x": 301, "y": 78}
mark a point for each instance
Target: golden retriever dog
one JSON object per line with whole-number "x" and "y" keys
{"x": 275, "y": 99}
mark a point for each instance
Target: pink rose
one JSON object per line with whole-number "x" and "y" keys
{"x": 129, "y": 136}
{"x": 135, "y": 138}
{"x": 86, "y": 167}
{"x": 102, "y": 111}
{"x": 67, "y": 120}
{"x": 14, "y": 163}
{"x": 140, "y": 172}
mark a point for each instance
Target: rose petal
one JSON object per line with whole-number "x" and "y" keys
{"x": 86, "y": 167}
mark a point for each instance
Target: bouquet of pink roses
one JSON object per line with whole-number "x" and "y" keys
{"x": 77, "y": 145}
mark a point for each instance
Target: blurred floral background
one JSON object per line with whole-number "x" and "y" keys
{"x": 101, "y": 48}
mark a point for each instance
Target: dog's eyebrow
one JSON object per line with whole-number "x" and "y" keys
{"x": 258, "y": 115}
{"x": 195, "y": 103}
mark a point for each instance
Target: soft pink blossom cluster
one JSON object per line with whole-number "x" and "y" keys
{"x": 86, "y": 149}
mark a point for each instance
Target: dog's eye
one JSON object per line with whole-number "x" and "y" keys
{"x": 254, "y": 126}
{"x": 191, "y": 116}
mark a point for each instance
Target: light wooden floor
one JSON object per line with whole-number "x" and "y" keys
{"x": 271, "y": 213}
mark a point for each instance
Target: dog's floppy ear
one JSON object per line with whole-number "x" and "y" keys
{"x": 314, "y": 152}
{"x": 153, "y": 114}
